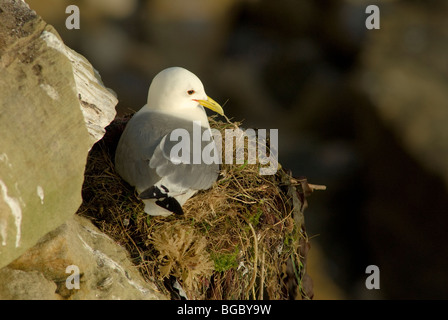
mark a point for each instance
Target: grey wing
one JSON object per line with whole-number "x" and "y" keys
{"x": 143, "y": 155}
{"x": 183, "y": 175}
{"x": 134, "y": 150}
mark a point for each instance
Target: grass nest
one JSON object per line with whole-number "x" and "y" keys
{"x": 244, "y": 238}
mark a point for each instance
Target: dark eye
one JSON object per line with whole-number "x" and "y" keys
{"x": 190, "y": 92}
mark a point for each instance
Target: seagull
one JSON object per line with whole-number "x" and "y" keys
{"x": 143, "y": 158}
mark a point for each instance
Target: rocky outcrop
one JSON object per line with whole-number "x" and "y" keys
{"x": 21, "y": 285}
{"x": 75, "y": 261}
{"x": 54, "y": 107}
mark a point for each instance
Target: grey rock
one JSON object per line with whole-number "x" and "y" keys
{"x": 54, "y": 107}
{"x": 77, "y": 248}
{"x": 18, "y": 284}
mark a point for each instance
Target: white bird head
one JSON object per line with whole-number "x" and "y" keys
{"x": 179, "y": 91}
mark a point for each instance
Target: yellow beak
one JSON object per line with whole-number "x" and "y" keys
{"x": 212, "y": 105}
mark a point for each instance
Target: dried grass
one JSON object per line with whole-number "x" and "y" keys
{"x": 244, "y": 238}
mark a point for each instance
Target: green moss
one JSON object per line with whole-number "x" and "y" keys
{"x": 255, "y": 218}
{"x": 225, "y": 261}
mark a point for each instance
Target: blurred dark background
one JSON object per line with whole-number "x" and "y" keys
{"x": 364, "y": 112}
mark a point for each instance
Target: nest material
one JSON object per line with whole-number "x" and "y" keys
{"x": 244, "y": 238}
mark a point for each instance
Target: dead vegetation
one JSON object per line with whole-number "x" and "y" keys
{"x": 244, "y": 238}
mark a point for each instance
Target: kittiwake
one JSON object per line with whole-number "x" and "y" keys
{"x": 143, "y": 156}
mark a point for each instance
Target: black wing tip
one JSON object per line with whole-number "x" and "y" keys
{"x": 151, "y": 193}
{"x": 171, "y": 204}
{"x": 162, "y": 199}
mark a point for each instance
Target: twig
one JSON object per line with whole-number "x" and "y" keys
{"x": 254, "y": 274}
{"x": 123, "y": 228}
{"x": 317, "y": 187}
{"x": 260, "y": 295}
